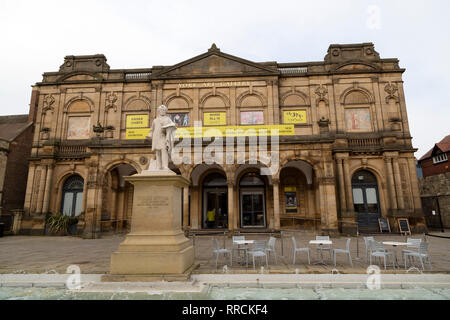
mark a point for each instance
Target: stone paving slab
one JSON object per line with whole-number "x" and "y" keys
{"x": 28, "y": 254}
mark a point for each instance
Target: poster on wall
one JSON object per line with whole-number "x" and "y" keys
{"x": 252, "y": 117}
{"x": 78, "y": 127}
{"x": 358, "y": 119}
{"x": 290, "y": 194}
{"x": 137, "y": 120}
{"x": 181, "y": 119}
{"x": 215, "y": 118}
{"x": 294, "y": 116}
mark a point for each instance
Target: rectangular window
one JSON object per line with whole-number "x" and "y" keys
{"x": 358, "y": 119}
{"x": 215, "y": 118}
{"x": 440, "y": 158}
{"x": 137, "y": 121}
{"x": 181, "y": 119}
{"x": 78, "y": 128}
{"x": 252, "y": 117}
{"x": 294, "y": 116}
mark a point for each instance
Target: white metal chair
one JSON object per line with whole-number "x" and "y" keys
{"x": 271, "y": 248}
{"x": 412, "y": 246}
{"x": 377, "y": 250}
{"x": 223, "y": 251}
{"x": 258, "y": 250}
{"x": 366, "y": 242}
{"x": 422, "y": 254}
{"x": 324, "y": 247}
{"x": 346, "y": 251}
{"x": 300, "y": 250}
{"x": 239, "y": 247}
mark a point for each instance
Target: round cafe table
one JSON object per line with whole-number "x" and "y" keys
{"x": 244, "y": 242}
{"x": 395, "y": 244}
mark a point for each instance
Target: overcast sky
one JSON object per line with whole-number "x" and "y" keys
{"x": 36, "y": 35}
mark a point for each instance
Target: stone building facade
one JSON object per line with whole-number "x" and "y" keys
{"x": 347, "y": 159}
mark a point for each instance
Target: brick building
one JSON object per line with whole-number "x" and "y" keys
{"x": 435, "y": 185}
{"x": 16, "y": 136}
{"x": 345, "y": 153}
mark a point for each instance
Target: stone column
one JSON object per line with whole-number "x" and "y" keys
{"x": 390, "y": 181}
{"x": 414, "y": 185}
{"x": 398, "y": 184}
{"x": 348, "y": 186}
{"x": 29, "y": 192}
{"x": 195, "y": 208}
{"x": 40, "y": 198}
{"x": 328, "y": 209}
{"x": 341, "y": 185}
{"x": 185, "y": 207}
{"x": 230, "y": 193}
{"x": 48, "y": 186}
{"x": 276, "y": 204}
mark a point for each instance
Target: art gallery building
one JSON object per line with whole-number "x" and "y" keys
{"x": 345, "y": 151}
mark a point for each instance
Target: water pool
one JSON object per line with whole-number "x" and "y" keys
{"x": 228, "y": 293}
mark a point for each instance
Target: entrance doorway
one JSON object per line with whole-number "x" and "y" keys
{"x": 252, "y": 199}
{"x": 72, "y": 196}
{"x": 366, "y": 200}
{"x": 215, "y": 202}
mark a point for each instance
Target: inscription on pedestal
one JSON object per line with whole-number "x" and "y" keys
{"x": 153, "y": 202}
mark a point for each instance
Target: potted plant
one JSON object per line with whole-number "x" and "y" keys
{"x": 58, "y": 224}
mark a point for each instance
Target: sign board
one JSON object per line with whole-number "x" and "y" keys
{"x": 215, "y": 118}
{"x": 294, "y": 116}
{"x": 384, "y": 225}
{"x": 137, "y": 120}
{"x": 291, "y": 199}
{"x": 225, "y": 131}
{"x": 403, "y": 225}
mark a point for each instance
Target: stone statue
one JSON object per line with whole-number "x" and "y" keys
{"x": 162, "y": 134}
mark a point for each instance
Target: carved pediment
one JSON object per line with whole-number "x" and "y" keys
{"x": 356, "y": 67}
{"x": 215, "y": 63}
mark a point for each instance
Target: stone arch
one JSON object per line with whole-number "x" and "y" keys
{"x": 360, "y": 66}
{"x": 200, "y": 171}
{"x": 246, "y": 167}
{"x": 369, "y": 168}
{"x": 360, "y": 91}
{"x": 253, "y": 93}
{"x": 297, "y": 94}
{"x": 216, "y": 94}
{"x": 93, "y": 76}
{"x": 134, "y": 100}
{"x": 80, "y": 98}
{"x": 109, "y": 166}
{"x": 181, "y": 96}
{"x": 303, "y": 166}
{"x": 58, "y": 187}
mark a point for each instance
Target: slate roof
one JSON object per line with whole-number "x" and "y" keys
{"x": 13, "y": 126}
{"x": 443, "y": 145}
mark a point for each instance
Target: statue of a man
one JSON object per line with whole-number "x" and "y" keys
{"x": 163, "y": 132}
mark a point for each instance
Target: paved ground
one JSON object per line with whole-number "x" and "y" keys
{"x": 26, "y": 254}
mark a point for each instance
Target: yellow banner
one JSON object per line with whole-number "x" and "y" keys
{"x": 294, "y": 116}
{"x": 214, "y": 118}
{"x": 137, "y": 120}
{"x": 138, "y": 133}
{"x": 225, "y": 131}
{"x": 290, "y": 189}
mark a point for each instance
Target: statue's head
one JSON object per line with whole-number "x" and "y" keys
{"x": 162, "y": 110}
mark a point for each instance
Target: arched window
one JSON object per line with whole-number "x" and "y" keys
{"x": 72, "y": 196}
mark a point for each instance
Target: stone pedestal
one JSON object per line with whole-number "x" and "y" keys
{"x": 156, "y": 246}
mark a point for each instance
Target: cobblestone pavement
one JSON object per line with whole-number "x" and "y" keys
{"x": 27, "y": 254}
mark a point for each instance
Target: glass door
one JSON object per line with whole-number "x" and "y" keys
{"x": 366, "y": 204}
{"x": 215, "y": 209}
{"x": 252, "y": 209}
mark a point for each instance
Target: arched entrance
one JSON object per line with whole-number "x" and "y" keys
{"x": 72, "y": 196}
{"x": 117, "y": 201}
{"x": 366, "y": 200}
{"x": 215, "y": 201}
{"x": 252, "y": 195}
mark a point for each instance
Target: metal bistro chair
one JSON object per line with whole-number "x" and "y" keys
{"x": 224, "y": 251}
{"x": 258, "y": 250}
{"x": 271, "y": 247}
{"x": 412, "y": 246}
{"x": 325, "y": 247}
{"x": 366, "y": 242}
{"x": 377, "y": 250}
{"x": 346, "y": 251}
{"x": 422, "y": 254}
{"x": 299, "y": 250}
{"x": 237, "y": 247}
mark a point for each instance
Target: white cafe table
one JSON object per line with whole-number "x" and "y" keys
{"x": 321, "y": 243}
{"x": 244, "y": 242}
{"x": 395, "y": 244}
